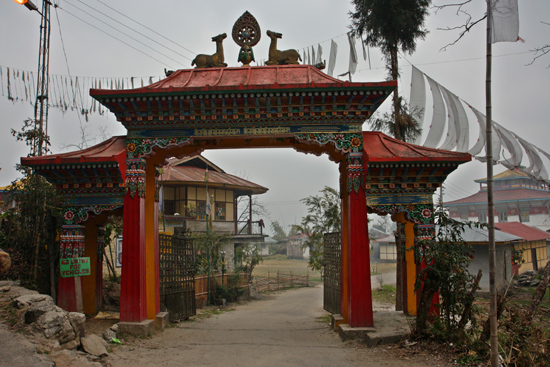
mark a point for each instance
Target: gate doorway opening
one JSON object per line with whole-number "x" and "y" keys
{"x": 278, "y": 106}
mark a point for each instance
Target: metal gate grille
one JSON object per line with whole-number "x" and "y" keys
{"x": 177, "y": 276}
{"x": 331, "y": 275}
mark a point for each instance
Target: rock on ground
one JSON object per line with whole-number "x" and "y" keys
{"x": 93, "y": 345}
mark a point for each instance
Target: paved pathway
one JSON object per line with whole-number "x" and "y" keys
{"x": 283, "y": 330}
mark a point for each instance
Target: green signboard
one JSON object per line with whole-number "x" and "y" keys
{"x": 75, "y": 267}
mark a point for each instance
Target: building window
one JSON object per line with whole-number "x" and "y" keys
{"x": 201, "y": 209}
{"x": 482, "y": 217}
{"x": 524, "y": 216}
{"x": 503, "y": 217}
{"x": 388, "y": 252}
{"x": 169, "y": 207}
{"x": 220, "y": 211}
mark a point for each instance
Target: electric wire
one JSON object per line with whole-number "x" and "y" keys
{"x": 132, "y": 29}
{"x": 67, "y": 64}
{"x": 118, "y": 30}
{"x": 144, "y": 26}
{"x": 118, "y": 39}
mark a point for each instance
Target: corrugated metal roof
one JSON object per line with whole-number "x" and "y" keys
{"x": 524, "y": 231}
{"x": 180, "y": 174}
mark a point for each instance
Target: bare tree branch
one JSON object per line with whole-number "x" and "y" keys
{"x": 540, "y": 51}
{"x": 466, "y": 27}
{"x": 457, "y": 5}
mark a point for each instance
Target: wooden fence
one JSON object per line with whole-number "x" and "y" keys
{"x": 201, "y": 282}
{"x": 280, "y": 280}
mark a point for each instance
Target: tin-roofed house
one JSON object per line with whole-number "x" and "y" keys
{"x": 533, "y": 247}
{"x": 478, "y": 238}
{"x": 185, "y": 184}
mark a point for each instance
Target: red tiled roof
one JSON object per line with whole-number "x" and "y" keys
{"x": 502, "y": 195}
{"x": 382, "y": 148}
{"x": 195, "y": 174}
{"x": 389, "y": 238}
{"x": 243, "y": 78}
{"x": 111, "y": 150}
{"x": 524, "y": 231}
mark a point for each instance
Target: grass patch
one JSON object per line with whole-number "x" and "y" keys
{"x": 324, "y": 319}
{"x": 272, "y": 264}
{"x": 378, "y": 268}
{"x": 384, "y": 294}
{"x": 206, "y": 313}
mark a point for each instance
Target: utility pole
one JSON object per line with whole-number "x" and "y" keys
{"x": 41, "y": 105}
{"x": 42, "y": 100}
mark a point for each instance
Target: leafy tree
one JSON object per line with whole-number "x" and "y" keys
{"x": 29, "y": 232}
{"x": 405, "y": 122}
{"x": 392, "y": 26}
{"x": 208, "y": 249}
{"x": 323, "y": 217}
{"x": 447, "y": 257}
{"x": 278, "y": 231}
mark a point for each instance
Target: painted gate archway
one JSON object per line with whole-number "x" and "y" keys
{"x": 290, "y": 106}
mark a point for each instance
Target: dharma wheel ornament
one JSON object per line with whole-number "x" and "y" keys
{"x": 246, "y": 33}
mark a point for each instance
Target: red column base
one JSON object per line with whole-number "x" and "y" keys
{"x": 66, "y": 294}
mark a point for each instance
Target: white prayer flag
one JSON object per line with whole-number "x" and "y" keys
{"x": 505, "y": 21}
{"x": 353, "y": 61}
{"x": 332, "y": 57}
{"x": 319, "y": 54}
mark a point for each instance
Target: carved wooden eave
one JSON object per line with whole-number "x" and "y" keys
{"x": 285, "y": 99}
{"x": 399, "y": 173}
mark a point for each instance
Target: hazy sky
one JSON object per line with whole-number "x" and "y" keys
{"x": 521, "y": 93}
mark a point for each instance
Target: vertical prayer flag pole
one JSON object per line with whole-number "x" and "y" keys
{"x": 490, "y": 201}
{"x": 207, "y": 234}
{"x": 502, "y": 26}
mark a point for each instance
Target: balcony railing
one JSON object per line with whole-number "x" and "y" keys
{"x": 250, "y": 227}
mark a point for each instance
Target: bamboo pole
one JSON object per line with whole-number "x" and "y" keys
{"x": 490, "y": 199}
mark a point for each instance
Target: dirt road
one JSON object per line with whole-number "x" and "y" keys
{"x": 283, "y": 330}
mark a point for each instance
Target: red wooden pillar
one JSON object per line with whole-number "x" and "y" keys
{"x": 133, "y": 301}
{"x": 69, "y": 294}
{"x": 360, "y": 313}
{"x": 99, "y": 269}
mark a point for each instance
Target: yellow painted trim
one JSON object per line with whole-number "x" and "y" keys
{"x": 410, "y": 267}
{"x": 411, "y": 270}
{"x": 89, "y": 281}
{"x": 150, "y": 284}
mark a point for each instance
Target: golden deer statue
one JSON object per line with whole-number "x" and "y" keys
{"x": 211, "y": 61}
{"x": 277, "y": 57}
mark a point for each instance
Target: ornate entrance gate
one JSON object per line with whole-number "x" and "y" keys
{"x": 331, "y": 276}
{"x": 177, "y": 276}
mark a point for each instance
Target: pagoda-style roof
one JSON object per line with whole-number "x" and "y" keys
{"x": 105, "y": 161}
{"x": 259, "y": 100}
{"x": 505, "y": 196}
{"x": 404, "y": 173}
{"x": 380, "y": 147}
{"x": 506, "y": 175}
{"x": 257, "y": 78}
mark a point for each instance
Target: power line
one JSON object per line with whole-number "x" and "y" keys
{"x": 118, "y": 30}
{"x": 132, "y": 29}
{"x": 144, "y": 26}
{"x": 67, "y": 63}
{"x": 118, "y": 39}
